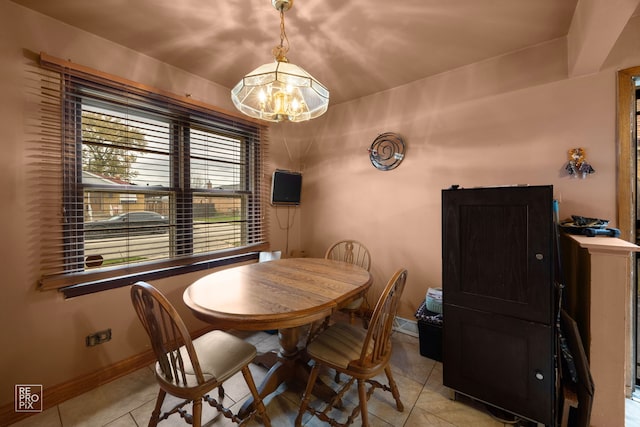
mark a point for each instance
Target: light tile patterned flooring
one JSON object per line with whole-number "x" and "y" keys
{"x": 128, "y": 401}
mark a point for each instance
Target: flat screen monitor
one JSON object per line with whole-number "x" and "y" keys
{"x": 286, "y": 187}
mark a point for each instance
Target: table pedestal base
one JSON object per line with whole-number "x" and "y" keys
{"x": 287, "y": 366}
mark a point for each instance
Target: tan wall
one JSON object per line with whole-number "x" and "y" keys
{"x": 506, "y": 121}
{"x": 43, "y": 334}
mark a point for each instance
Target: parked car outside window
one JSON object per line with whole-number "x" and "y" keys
{"x": 129, "y": 223}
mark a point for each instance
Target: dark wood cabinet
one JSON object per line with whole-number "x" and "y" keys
{"x": 498, "y": 297}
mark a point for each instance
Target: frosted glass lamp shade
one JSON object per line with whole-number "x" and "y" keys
{"x": 280, "y": 91}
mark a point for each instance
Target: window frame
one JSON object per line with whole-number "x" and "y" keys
{"x": 76, "y": 281}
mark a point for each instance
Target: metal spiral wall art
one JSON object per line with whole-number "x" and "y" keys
{"x": 387, "y": 151}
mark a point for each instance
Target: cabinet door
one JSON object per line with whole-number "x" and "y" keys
{"x": 497, "y": 250}
{"x": 500, "y": 360}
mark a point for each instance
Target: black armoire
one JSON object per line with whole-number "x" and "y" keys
{"x": 499, "y": 298}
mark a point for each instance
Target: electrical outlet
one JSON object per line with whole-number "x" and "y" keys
{"x": 98, "y": 338}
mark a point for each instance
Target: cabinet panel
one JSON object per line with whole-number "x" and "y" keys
{"x": 501, "y": 360}
{"x": 498, "y": 250}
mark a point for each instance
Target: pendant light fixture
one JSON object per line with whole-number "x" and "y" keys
{"x": 280, "y": 90}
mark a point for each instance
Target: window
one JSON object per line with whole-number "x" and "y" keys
{"x": 151, "y": 183}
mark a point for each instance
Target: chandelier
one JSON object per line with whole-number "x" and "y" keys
{"x": 280, "y": 90}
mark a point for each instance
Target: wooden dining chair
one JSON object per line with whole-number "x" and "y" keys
{"x": 353, "y": 252}
{"x": 358, "y": 353}
{"x": 190, "y": 369}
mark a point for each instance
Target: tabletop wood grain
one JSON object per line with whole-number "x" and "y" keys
{"x": 278, "y": 294}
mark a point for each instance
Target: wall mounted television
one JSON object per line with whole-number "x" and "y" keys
{"x": 286, "y": 187}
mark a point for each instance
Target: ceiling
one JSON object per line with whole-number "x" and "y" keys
{"x": 355, "y": 47}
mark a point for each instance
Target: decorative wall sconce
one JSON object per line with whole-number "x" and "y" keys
{"x": 578, "y": 166}
{"x": 386, "y": 151}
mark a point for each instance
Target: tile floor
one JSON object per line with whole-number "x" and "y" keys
{"x": 128, "y": 401}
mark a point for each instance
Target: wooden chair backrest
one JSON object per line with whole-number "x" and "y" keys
{"x": 350, "y": 251}
{"x": 166, "y": 331}
{"x": 377, "y": 344}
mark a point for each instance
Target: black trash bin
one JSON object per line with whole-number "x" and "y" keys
{"x": 430, "y": 332}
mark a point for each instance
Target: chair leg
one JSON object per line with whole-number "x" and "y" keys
{"x": 352, "y": 316}
{"x": 313, "y": 375}
{"x": 257, "y": 400}
{"x": 365, "y": 321}
{"x": 155, "y": 415}
{"x": 315, "y": 328}
{"x": 362, "y": 396}
{"x": 394, "y": 388}
{"x": 197, "y": 412}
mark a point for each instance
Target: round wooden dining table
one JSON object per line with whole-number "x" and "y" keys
{"x": 283, "y": 294}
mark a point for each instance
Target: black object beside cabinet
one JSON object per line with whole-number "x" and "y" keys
{"x": 430, "y": 337}
{"x": 498, "y": 298}
{"x": 429, "y": 332}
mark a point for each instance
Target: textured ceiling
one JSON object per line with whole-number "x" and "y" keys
{"x": 355, "y": 47}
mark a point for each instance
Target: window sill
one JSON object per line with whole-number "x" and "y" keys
{"x": 126, "y": 280}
